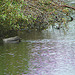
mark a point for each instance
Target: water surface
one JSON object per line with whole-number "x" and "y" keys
{"x": 50, "y": 52}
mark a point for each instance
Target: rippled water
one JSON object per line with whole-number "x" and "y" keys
{"x": 50, "y": 52}
{"x": 52, "y": 58}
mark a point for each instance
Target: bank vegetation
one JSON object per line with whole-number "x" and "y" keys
{"x": 31, "y": 15}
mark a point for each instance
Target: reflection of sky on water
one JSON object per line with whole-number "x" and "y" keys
{"x": 55, "y": 58}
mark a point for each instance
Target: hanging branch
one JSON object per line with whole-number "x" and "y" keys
{"x": 68, "y": 6}
{"x": 63, "y": 5}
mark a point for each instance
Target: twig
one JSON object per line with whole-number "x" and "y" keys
{"x": 67, "y": 6}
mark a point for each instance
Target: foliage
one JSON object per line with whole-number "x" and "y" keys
{"x": 29, "y": 15}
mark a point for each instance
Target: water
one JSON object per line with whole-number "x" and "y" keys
{"x": 70, "y": 2}
{"x": 50, "y": 52}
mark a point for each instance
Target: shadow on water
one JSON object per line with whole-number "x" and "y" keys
{"x": 14, "y": 58}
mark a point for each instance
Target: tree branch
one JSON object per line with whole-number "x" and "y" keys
{"x": 68, "y": 6}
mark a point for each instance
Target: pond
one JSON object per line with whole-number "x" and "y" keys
{"x": 50, "y": 52}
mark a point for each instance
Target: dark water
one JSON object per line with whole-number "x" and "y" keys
{"x": 50, "y": 52}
